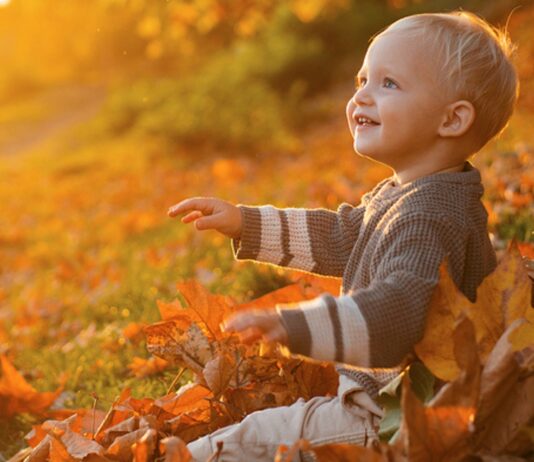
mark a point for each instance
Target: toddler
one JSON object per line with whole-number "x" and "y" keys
{"x": 433, "y": 89}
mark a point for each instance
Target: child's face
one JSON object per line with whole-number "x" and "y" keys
{"x": 396, "y": 89}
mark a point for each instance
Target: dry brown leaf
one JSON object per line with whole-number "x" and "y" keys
{"x": 121, "y": 448}
{"x": 350, "y": 452}
{"x": 507, "y": 394}
{"x": 191, "y": 348}
{"x": 41, "y": 451}
{"x": 316, "y": 379}
{"x": 134, "y": 331}
{"x": 17, "y": 395}
{"x": 187, "y": 398}
{"x": 78, "y": 446}
{"x": 205, "y": 308}
{"x": 218, "y": 373}
{"x": 502, "y": 297}
{"x": 435, "y": 349}
{"x": 287, "y": 453}
{"x": 288, "y": 294}
{"x": 433, "y": 433}
{"x": 464, "y": 390}
{"x": 143, "y": 449}
{"x": 174, "y": 311}
{"x": 174, "y": 450}
{"x": 197, "y": 423}
{"x": 126, "y": 426}
{"x": 58, "y": 452}
{"x": 522, "y": 337}
{"x": 141, "y": 367}
{"x": 316, "y": 285}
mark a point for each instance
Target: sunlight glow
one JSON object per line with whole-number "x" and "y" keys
{"x": 4, "y": 3}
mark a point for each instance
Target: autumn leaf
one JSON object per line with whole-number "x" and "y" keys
{"x": 464, "y": 389}
{"x": 436, "y": 348}
{"x": 78, "y": 446}
{"x": 188, "y": 398}
{"x": 506, "y": 403}
{"x": 121, "y": 448}
{"x": 174, "y": 450}
{"x": 190, "y": 348}
{"x": 134, "y": 331}
{"x": 18, "y": 396}
{"x": 433, "y": 433}
{"x": 218, "y": 373}
{"x": 203, "y": 307}
{"x": 58, "y": 452}
{"x": 143, "y": 449}
{"x": 286, "y": 294}
{"x": 502, "y": 297}
{"x": 343, "y": 452}
{"x": 141, "y": 367}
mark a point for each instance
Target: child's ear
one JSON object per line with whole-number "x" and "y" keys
{"x": 459, "y": 116}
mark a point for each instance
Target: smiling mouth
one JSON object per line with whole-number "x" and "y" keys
{"x": 364, "y": 122}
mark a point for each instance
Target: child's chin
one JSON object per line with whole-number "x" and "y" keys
{"x": 361, "y": 151}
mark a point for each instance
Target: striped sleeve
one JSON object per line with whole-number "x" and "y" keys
{"x": 327, "y": 328}
{"x": 315, "y": 240}
{"x": 378, "y": 325}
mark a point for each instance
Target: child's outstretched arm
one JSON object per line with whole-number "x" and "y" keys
{"x": 315, "y": 240}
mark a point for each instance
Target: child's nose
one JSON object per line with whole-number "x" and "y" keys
{"x": 361, "y": 96}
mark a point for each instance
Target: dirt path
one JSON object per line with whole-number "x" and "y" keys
{"x": 70, "y": 107}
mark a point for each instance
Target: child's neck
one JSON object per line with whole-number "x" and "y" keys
{"x": 405, "y": 177}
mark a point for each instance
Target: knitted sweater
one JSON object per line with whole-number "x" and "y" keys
{"x": 388, "y": 250}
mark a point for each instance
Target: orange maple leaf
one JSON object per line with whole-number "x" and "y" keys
{"x": 18, "y": 396}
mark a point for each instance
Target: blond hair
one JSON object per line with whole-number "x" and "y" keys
{"x": 475, "y": 64}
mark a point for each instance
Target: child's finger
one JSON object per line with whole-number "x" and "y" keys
{"x": 210, "y": 222}
{"x": 197, "y": 203}
{"x": 240, "y": 322}
{"x": 250, "y": 335}
{"x": 192, "y": 216}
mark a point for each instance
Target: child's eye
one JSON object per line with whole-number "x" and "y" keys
{"x": 389, "y": 81}
{"x": 359, "y": 82}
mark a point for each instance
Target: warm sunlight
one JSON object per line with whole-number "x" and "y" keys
{"x": 4, "y": 2}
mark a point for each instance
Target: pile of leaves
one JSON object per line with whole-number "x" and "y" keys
{"x": 482, "y": 352}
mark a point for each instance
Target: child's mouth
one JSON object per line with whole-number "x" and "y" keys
{"x": 364, "y": 121}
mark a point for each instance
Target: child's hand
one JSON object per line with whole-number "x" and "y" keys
{"x": 257, "y": 324}
{"x": 210, "y": 213}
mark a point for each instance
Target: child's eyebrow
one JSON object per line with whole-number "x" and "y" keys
{"x": 383, "y": 70}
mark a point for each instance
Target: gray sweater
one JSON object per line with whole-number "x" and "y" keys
{"x": 388, "y": 250}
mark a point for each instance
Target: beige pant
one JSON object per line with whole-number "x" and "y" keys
{"x": 349, "y": 417}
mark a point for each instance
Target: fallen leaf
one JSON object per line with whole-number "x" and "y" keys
{"x": 436, "y": 348}
{"x": 433, "y": 433}
{"x": 174, "y": 450}
{"x": 218, "y": 373}
{"x": 205, "y": 308}
{"x": 143, "y": 449}
{"x": 58, "y": 452}
{"x": 191, "y": 348}
{"x": 502, "y": 297}
{"x": 187, "y": 398}
{"x": 18, "y": 396}
{"x": 121, "y": 448}
{"x": 506, "y": 394}
{"x": 142, "y": 367}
